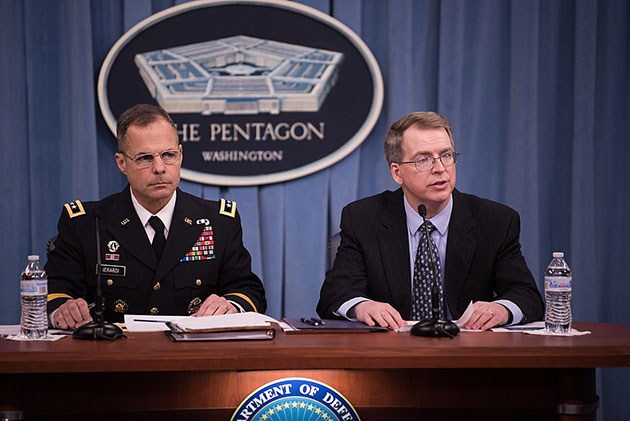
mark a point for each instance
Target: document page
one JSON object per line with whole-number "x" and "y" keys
{"x": 248, "y": 320}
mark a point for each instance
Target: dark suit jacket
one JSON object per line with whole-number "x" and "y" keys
{"x": 483, "y": 257}
{"x": 134, "y": 281}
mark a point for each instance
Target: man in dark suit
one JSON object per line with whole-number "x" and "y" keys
{"x": 377, "y": 275}
{"x": 163, "y": 251}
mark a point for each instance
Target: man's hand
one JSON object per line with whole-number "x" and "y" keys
{"x": 375, "y": 312}
{"x": 72, "y": 314}
{"x": 215, "y": 305}
{"x": 487, "y": 315}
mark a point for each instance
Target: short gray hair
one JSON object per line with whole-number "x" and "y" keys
{"x": 421, "y": 119}
{"x": 140, "y": 115}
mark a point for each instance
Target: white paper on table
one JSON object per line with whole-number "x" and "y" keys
{"x": 465, "y": 317}
{"x": 543, "y": 332}
{"x": 527, "y": 327}
{"x": 49, "y": 338}
{"x": 407, "y": 328}
{"x": 537, "y": 328}
{"x": 146, "y": 323}
{"x": 286, "y": 327}
{"x": 12, "y": 332}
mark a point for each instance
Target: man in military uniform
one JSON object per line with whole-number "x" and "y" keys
{"x": 163, "y": 251}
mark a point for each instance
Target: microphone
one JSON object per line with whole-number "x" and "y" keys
{"x": 98, "y": 329}
{"x": 433, "y": 327}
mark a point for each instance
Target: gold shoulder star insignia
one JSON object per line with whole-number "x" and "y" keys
{"x": 74, "y": 209}
{"x": 228, "y": 208}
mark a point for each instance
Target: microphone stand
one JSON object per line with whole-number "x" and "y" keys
{"x": 433, "y": 327}
{"x": 98, "y": 329}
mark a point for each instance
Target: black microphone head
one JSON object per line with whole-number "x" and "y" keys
{"x": 422, "y": 210}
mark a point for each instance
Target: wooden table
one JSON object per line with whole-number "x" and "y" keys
{"x": 384, "y": 375}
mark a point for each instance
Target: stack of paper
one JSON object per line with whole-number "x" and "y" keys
{"x": 225, "y": 322}
{"x": 238, "y": 326}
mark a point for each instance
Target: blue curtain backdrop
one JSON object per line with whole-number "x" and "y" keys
{"x": 538, "y": 94}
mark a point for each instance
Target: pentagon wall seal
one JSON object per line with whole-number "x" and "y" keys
{"x": 261, "y": 91}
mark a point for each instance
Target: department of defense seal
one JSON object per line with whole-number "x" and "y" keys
{"x": 295, "y": 398}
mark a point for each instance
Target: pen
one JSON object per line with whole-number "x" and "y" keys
{"x": 313, "y": 321}
{"x": 150, "y": 321}
{"x": 175, "y": 327}
{"x": 524, "y": 328}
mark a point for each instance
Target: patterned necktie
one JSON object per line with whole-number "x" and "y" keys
{"x": 158, "y": 239}
{"x": 421, "y": 307}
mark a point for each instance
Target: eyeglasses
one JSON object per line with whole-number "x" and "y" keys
{"x": 426, "y": 162}
{"x": 145, "y": 160}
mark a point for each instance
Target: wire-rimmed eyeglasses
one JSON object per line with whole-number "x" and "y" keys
{"x": 426, "y": 162}
{"x": 145, "y": 160}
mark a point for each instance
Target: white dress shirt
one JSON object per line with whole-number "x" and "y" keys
{"x": 165, "y": 214}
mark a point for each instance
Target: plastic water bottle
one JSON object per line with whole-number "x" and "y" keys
{"x": 558, "y": 295}
{"x": 33, "y": 292}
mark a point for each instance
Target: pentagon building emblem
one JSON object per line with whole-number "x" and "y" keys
{"x": 239, "y": 75}
{"x": 295, "y": 399}
{"x": 261, "y": 91}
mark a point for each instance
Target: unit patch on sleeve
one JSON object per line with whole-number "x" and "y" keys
{"x": 203, "y": 248}
{"x": 75, "y": 209}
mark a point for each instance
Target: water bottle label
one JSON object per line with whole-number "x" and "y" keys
{"x": 33, "y": 288}
{"x": 558, "y": 283}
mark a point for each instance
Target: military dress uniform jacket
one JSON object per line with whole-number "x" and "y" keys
{"x": 483, "y": 257}
{"x": 203, "y": 255}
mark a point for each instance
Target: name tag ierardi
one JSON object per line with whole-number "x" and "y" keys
{"x": 113, "y": 270}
